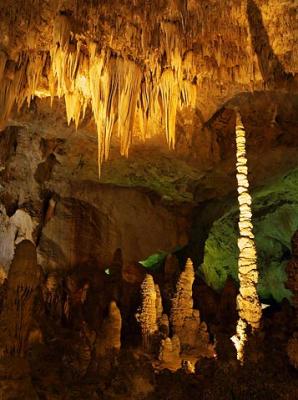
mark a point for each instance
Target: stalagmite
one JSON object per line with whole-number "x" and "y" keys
{"x": 147, "y": 314}
{"x": 185, "y": 320}
{"x": 109, "y": 339}
{"x": 182, "y": 303}
{"x": 169, "y": 353}
{"x": 249, "y": 307}
{"x": 23, "y": 278}
{"x": 158, "y": 305}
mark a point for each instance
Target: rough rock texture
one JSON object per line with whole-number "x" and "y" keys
{"x": 275, "y": 220}
{"x": 292, "y": 272}
{"x": 292, "y": 284}
{"x": 52, "y": 296}
{"x": 113, "y": 218}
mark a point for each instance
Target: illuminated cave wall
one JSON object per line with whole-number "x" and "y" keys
{"x": 275, "y": 219}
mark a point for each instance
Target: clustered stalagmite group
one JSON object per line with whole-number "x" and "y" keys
{"x": 182, "y": 337}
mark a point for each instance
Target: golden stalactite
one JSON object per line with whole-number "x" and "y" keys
{"x": 103, "y": 89}
{"x": 171, "y": 45}
{"x": 144, "y": 105}
{"x": 12, "y": 88}
{"x": 248, "y": 304}
{"x": 129, "y": 79}
{"x": 169, "y": 91}
{"x": 34, "y": 70}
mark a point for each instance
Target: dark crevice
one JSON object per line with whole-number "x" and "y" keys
{"x": 272, "y": 70}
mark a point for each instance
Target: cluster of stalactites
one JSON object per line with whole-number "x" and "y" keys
{"x": 249, "y": 307}
{"x": 118, "y": 89}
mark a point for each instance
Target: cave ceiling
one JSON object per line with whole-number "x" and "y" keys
{"x": 100, "y": 81}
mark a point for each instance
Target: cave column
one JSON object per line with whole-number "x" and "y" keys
{"x": 248, "y": 304}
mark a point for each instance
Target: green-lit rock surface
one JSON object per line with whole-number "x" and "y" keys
{"x": 275, "y": 218}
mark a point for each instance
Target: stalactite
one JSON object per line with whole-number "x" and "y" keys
{"x": 145, "y": 104}
{"x": 103, "y": 88}
{"x": 248, "y": 304}
{"x": 34, "y": 69}
{"x": 11, "y": 88}
{"x": 171, "y": 45}
{"x": 188, "y": 94}
{"x": 129, "y": 79}
{"x": 117, "y": 87}
{"x": 169, "y": 91}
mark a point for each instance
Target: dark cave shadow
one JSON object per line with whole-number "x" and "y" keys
{"x": 272, "y": 70}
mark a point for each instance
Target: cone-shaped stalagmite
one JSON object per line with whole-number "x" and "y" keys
{"x": 182, "y": 303}
{"x": 109, "y": 339}
{"x": 147, "y": 315}
{"x": 249, "y": 307}
{"x": 15, "y": 323}
{"x": 23, "y": 279}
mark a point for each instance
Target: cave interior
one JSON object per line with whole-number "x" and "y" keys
{"x": 148, "y": 199}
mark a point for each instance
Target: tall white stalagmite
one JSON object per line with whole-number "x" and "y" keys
{"x": 249, "y": 307}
